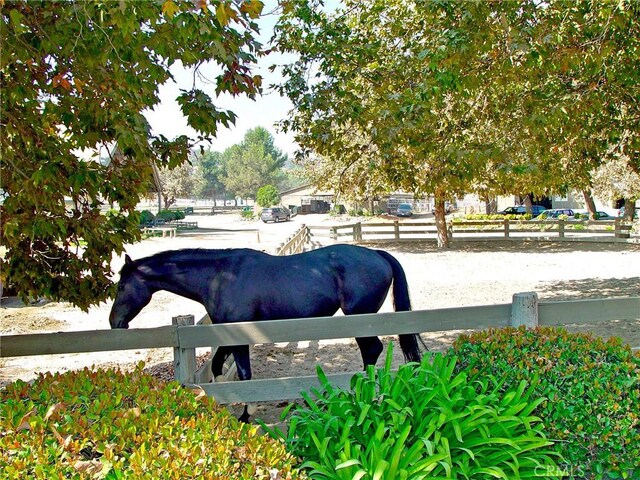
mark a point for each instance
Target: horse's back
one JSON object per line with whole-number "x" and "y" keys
{"x": 310, "y": 284}
{"x": 363, "y": 276}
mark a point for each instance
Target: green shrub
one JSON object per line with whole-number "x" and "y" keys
{"x": 146, "y": 217}
{"x": 421, "y": 422}
{"x": 112, "y": 425}
{"x": 337, "y": 210}
{"x": 171, "y": 215}
{"x": 592, "y": 386}
{"x": 247, "y": 213}
{"x": 267, "y": 196}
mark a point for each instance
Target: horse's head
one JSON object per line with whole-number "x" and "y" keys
{"x": 133, "y": 294}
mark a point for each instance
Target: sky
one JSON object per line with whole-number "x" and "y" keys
{"x": 264, "y": 111}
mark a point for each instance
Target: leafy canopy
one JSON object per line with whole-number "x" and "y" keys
{"x": 253, "y": 163}
{"x": 77, "y": 76}
{"x": 447, "y": 98}
{"x": 394, "y": 100}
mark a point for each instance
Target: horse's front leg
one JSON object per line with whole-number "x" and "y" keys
{"x": 243, "y": 364}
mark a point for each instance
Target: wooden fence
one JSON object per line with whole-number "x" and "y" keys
{"x": 558, "y": 230}
{"x": 296, "y": 243}
{"x": 524, "y": 310}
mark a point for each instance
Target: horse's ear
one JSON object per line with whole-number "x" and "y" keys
{"x": 127, "y": 259}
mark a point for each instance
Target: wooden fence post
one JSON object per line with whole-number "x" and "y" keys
{"x": 204, "y": 373}
{"x": 524, "y": 310}
{"x": 621, "y": 229}
{"x": 506, "y": 228}
{"x": 560, "y": 228}
{"x": 396, "y": 229}
{"x": 184, "y": 359}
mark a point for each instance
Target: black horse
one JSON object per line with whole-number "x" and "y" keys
{"x": 237, "y": 285}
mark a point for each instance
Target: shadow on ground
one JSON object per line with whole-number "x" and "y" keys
{"x": 589, "y": 288}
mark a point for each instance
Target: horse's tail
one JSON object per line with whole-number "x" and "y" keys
{"x": 410, "y": 342}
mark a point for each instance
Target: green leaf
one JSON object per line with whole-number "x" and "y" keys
{"x": 348, "y": 463}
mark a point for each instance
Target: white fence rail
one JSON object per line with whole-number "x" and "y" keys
{"x": 559, "y": 230}
{"x": 524, "y": 310}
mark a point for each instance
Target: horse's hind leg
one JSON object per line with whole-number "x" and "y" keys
{"x": 241, "y": 355}
{"x": 217, "y": 362}
{"x": 370, "y": 349}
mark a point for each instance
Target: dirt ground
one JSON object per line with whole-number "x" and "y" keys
{"x": 470, "y": 273}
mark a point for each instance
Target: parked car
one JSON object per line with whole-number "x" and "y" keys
{"x": 604, "y": 216}
{"x": 522, "y": 210}
{"x": 555, "y": 214}
{"x": 275, "y": 214}
{"x": 635, "y": 215}
{"x": 448, "y": 207}
{"x": 584, "y": 215}
{"x": 404, "y": 210}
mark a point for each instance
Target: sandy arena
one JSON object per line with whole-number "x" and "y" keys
{"x": 470, "y": 273}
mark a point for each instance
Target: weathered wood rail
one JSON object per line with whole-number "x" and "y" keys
{"x": 398, "y": 231}
{"x": 524, "y": 310}
{"x": 297, "y": 243}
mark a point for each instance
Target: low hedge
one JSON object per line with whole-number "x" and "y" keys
{"x": 146, "y": 217}
{"x": 170, "y": 215}
{"x": 592, "y": 387}
{"x": 492, "y": 216}
{"x": 113, "y": 425}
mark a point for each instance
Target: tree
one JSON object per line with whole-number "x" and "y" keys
{"x": 616, "y": 179}
{"x": 379, "y": 88}
{"x": 77, "y": 76}
{"x": 446, "y": 98}
{"x": 585, "y": 85}
{"x": 181, "y": 181}
{"x": 211, "y": 168}
{"x": 267, "y": 196}
{"x": 253, "y": 163}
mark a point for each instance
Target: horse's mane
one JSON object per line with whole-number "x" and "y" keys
{"x": 187, "y": 255}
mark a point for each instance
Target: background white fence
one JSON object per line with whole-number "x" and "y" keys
{"x": 557, "y": 230}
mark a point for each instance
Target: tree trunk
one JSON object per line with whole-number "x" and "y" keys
{"x": 528, "y": 204}
{"x": 490, "y": 205}
{"x": 441, "y": 223}
{"x": 168, "y": 201}
{"x": 590, "y": 204}
{"x": 629, "y": 209}
{"x": 158, "y": 184}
